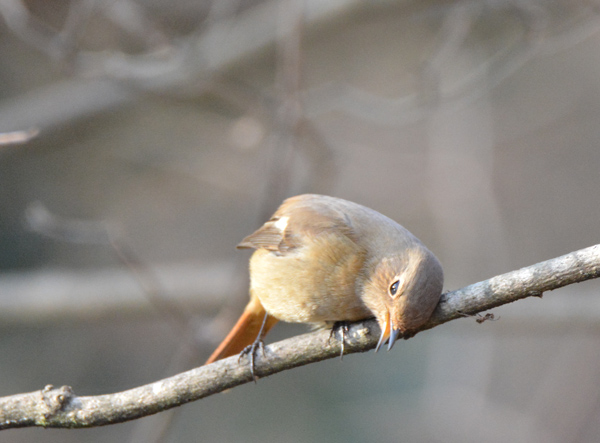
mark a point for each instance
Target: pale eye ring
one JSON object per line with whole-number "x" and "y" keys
{"x": 394, "y": 288}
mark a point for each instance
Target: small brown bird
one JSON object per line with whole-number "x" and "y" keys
{"x": 322, "y": 260}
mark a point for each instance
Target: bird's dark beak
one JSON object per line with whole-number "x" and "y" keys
{"x": 388, "y": 333}
{"x": 394, "y": 333}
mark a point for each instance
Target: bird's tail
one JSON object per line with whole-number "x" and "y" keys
{"x": 245, "y": 332}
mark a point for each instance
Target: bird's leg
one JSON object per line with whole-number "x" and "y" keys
{"x": 258, "y": 344}
{"x": 343, "y": 328}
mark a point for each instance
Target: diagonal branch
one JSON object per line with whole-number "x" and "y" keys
{"x": 61, "y": 408}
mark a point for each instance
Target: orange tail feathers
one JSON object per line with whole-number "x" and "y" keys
{"x": 245, "y": 331}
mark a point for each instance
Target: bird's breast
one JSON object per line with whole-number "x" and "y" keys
{"x": 315, "y": 283}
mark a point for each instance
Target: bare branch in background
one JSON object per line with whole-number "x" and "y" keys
{"x": 187, "y": 65}
{"x": 29, "y": 29}
{"x": 535, "y": 39}
{"x": 39, "y": 219}
{"x": 17, "y": 137}
{"x": 44, "y": 222}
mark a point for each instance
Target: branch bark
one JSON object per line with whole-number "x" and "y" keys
{"x": 61, "y": 408}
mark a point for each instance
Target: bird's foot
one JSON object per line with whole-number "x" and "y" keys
{"x": 342, "y": 327}
{"x": 251, "y": 351}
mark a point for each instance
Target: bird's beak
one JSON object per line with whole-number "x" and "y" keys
{"x": 393, "y": 336}
{"x": 385, "y": 333}
{"x": 388, "y": 333}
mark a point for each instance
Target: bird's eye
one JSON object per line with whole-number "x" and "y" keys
{"x": 394, "y": 287}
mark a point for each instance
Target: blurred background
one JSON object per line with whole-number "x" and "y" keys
{"x": 144, "y": 139}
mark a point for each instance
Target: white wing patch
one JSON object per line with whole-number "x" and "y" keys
{"x": 282, "y": 223}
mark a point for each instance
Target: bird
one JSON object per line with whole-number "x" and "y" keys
{"x": 322, "y": 261}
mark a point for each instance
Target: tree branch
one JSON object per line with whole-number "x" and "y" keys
{"x": 61, "y": 408}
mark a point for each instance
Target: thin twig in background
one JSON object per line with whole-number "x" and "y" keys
{"x": 42, "y": 221}
{"x": 17, "y": 137}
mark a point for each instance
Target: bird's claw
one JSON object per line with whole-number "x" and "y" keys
{"x": 343, "y": 327}
{"x": 251, "y": 350}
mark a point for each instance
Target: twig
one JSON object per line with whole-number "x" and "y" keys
{"x": 61, "y": 408}
{"x": 18, "y": 137}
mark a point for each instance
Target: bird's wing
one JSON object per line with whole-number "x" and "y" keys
{"x": 300, "y": 220}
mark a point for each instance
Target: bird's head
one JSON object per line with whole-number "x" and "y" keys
{"x": 402, "y": 290}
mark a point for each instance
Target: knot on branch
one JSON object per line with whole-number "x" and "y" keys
{"x": 55, "y": 399}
